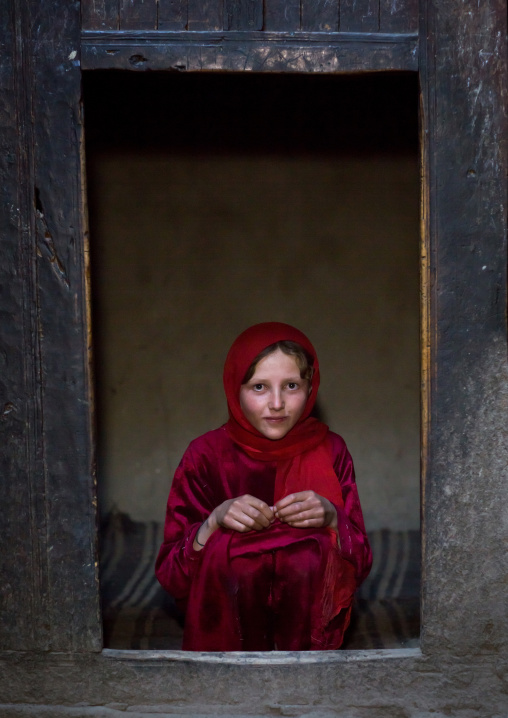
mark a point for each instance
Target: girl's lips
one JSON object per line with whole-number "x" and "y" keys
{"x": 276, "y": 419}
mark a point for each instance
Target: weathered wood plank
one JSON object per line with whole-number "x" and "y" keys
{"x": 172, "y": 15}
{"x": 23, "y": 585}
{"x": 205, "y": 15}
{"x": 282, "y": 15}
{"x": 464, "y": 81}
{"x": 289, "y": 15}
{"x": 50, "y": 513}
{"x": 100, "y": 15}
{"x": 243, "y": 14}
{"x": 359, "y": 16}
{"x": 138, "y": 14}
{"x": 398, "y": 15}
{"x": 320, "y": 15}
{"x": 260, "y": 52}
{"x": 69, "y": 495}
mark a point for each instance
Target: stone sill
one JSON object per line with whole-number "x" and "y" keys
{"x": 263, "y": 658}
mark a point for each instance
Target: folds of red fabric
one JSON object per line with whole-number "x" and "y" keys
{"x": 208, "y": 583}
{"x": 300, "y": 572}
{"x": 286, "y": 571}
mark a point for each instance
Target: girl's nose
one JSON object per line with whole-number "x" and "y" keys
{"x": 276, "y": 401}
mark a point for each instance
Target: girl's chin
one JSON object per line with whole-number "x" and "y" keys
{"x": 275, "y": 431}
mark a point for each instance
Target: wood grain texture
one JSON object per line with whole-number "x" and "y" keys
{"x": 205, "y": 15}
{"x": 73, "y": 605}
{"x": 359, "y": 16}
{"x": 260, "y": 52}
{"x": 23, "y": 573}
{"x": 243, "y": 15}
{"x": 47, "y": 521}
{"x": 51, "y": 595}
{"x": 398, "y": 15}
{"x": 138, "y": 15}
{"x": 320, "y": 15}
{"x": 464, "y": 80}
{"x": 100, "y": 15}
{"x": 172, "y": 15}
{"x": 282, "y": 15}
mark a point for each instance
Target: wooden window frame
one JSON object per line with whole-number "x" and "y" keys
{"x": 51, "y": 610}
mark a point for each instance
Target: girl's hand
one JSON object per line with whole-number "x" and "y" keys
{"x": 306, "y": 509}
{"x": 246, "y": 513}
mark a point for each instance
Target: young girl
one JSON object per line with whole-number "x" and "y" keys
{"x": 264, "y": 541}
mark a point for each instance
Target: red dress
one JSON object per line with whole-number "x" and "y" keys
{"x": 261, "y": 590}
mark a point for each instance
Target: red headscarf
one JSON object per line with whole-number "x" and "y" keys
{"x": 303, "y": 456}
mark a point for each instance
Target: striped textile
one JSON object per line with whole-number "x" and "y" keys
{"x": 138, "y": 614}
{"x": 387, "y": 606}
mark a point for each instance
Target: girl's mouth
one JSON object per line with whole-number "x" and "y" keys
{"x": 276, "y": 419}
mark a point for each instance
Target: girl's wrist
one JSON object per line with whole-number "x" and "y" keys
{"x": 212, "y": 523}
{"x": 199, "y": 539}
{"x": 204, "y": 532}
{"x": 333, "y": 519}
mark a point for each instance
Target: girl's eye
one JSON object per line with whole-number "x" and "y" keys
{"x": 292, "y": 385}
{"x": 258, "y": 387}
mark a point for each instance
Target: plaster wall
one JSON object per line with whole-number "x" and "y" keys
{"x": 188, "y": 251}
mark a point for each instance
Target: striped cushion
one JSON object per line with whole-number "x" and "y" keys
{"x": 138, "y": 614}
{"x": 387, "y": 607}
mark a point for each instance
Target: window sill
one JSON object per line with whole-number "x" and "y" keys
{"x": 262, "y": 658}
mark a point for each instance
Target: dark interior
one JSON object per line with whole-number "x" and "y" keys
{"x": 197, "y": 114}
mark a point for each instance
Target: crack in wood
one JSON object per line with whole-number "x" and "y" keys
{"x": 45, "y": 243}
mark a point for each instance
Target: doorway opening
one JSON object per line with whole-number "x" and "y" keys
{"x": 218, "y": 201}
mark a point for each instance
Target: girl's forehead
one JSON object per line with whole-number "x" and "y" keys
{"x": 277, "y": 363}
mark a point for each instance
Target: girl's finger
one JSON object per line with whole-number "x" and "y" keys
{"x": 300, "y": 506}
{"x": 286, "y": 501}
{"x": 261, "y": 506}
{"x": 304, "y": 515}
{"x": 305, "y": 523}
{"x": 256, "y": 516}
{"x": 291, "y": 510}
{"x": 247, "y": 514}
{"x": 231, "y": 523}
{"x": 242, "y": 522}
{"x": 299, "y": 497}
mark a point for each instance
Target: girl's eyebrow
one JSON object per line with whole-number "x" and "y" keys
{"x": 295, "y": 377}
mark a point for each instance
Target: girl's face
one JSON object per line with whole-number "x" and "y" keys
{"x": 275, "y": 397}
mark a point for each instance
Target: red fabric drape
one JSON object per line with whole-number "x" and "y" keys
{"x": 303, "y": 456}
{"x": 281, "y": 587}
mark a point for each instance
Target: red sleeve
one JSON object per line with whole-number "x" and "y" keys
{"x": 351, "y": 528}
{"x": 190, "y": 502}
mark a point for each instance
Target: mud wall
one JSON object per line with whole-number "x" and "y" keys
{"x": 190, "y": 248}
